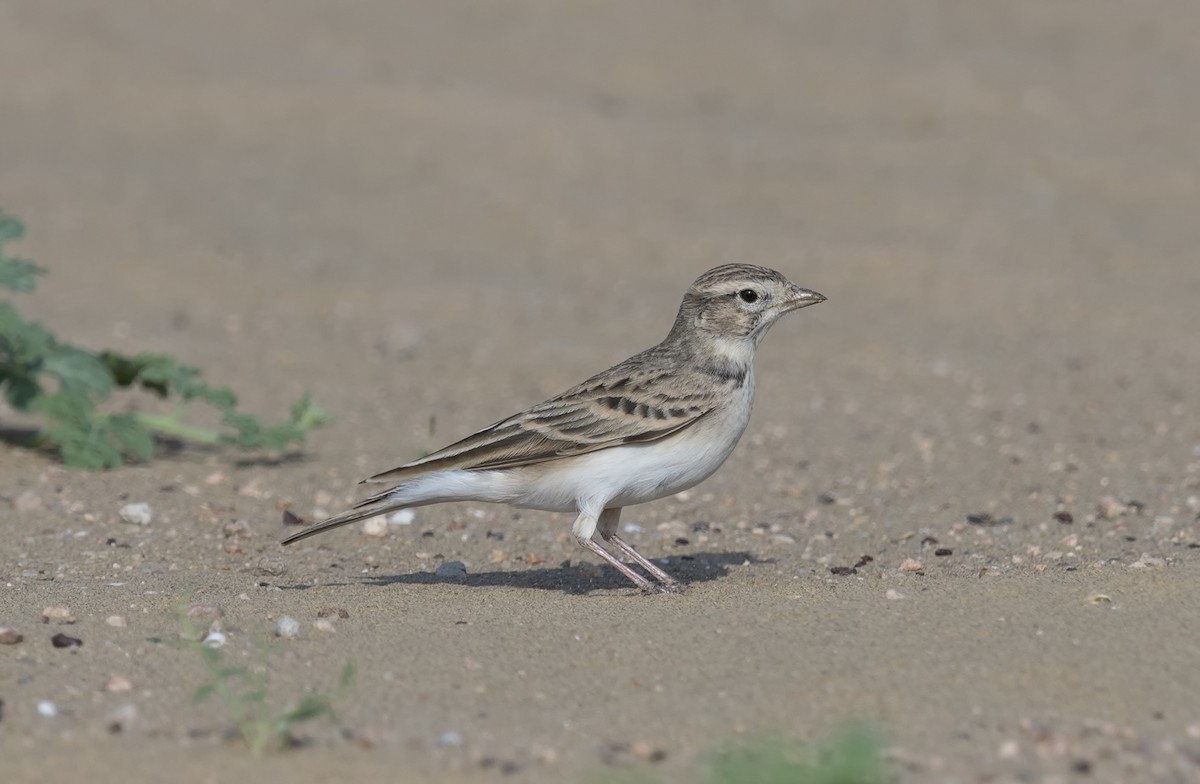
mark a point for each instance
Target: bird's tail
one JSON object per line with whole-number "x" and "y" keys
{"x": 375, "y": 505}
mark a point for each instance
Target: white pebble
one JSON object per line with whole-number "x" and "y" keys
{"x": 633, "y": 528}
{"x": 288, "y": 627}
{"x": 138, "y": 514}
{"x": 375, "y": 526}
{"x": 450, "y": 738}
{"x": 451, "y": 570}
{"x": 214, "y": 640}
{"x": 47, "y": 708}
{"x": 403, "y": 517}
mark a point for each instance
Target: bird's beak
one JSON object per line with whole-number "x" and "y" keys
{"x": 802, "y": 298}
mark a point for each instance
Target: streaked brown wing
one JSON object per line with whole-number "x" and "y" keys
{"x": 608, "y": 410}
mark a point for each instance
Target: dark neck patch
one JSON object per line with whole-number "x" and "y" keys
{"x": 729, "y": 372}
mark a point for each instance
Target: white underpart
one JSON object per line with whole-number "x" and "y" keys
{"x": 608, "y": 478}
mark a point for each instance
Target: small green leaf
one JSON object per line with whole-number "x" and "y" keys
{"x": 310, "y": 707}
{"x": 78, "y": 371}
{"x": 19, "y": 275}
{"x": 11, "y": 228}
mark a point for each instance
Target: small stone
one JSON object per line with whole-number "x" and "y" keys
{"x": 1110, "y": 508}
{"x": 10, "y": 636}
{"x": 236, "y": 529}
{"x": 116, "y": 620}
{"x": 287, "y": 627}
{"x": 1008, "y": 750}
{"x": 205, "y": 612}
{"x": 137, "y": 514}
{"x": 1147, "y": 560}
{"x": 498, "y": 556}
{"x": 47, "y": 708}
{"x": 61, "y": 640}
{"x": 451, "y": 570}
{"x": 942, "y": 552}
{"x": 214, "y": 639}
{"x": 1099, "y": 598}
{"x": 216, "y": 478}
{"x": 254, "y": 489}
{"x": 375, "y": 526}
{"x": 324, "y": 625}
{"x": 27, "y": 501}
{"x": 911, "y": 565}
{"x": 403, "y": 517}
{"x": 450, "y": 739}
{"x": 59, "y": 614}
{"x": 118, "y": 683}
{"x": 271, "y": 566}
{"x": 894, "y": 595}
{"x": 644, "y": 751}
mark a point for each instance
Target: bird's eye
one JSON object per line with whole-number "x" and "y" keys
{"x": 748, "y": 295}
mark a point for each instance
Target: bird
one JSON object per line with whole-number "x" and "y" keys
{"x": 652, "y": 426}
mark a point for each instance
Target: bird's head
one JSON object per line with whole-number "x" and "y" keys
{"x": 738, "y": 303}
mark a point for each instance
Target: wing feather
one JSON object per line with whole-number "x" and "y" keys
{"x": 625, "y": 405}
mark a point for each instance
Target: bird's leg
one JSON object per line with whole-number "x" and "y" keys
{"x": 584, "y": 528}
{"x": 607, "y": 525}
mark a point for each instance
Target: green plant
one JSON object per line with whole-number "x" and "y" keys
{"x": 43, "y": 375}
{"x": 853, "y": 757}
{"x": 244, "y": 694}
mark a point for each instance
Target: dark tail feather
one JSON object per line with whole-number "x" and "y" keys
{"x": 360, "y": 512}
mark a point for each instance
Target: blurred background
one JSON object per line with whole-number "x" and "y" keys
{"x": 458, "y": 208}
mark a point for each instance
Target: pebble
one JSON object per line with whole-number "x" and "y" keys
{"x": 1147, "y": 560}
{"x": 116, "y": 620}
{"x": 450, "y": 738}
{"x": 60, "y": 614}
{"x": 137, "y": 514}
{"x": 1110, "y": 508}
{"x": 61, "y": 640}
{"x": 451, "y": 570}
{"x": 911, "y": 565}
{"x": 10, "y": 636}
{"x": 236, "y": 529}
{"x": 47, "y": 708}
{"x": 403, "y": 517}
{"x": 271, "y": 566}
{"x": 287, "y": 627}
{"x": 205, "y": 612}
{"x": 894, "y": 595}
{"x": 214, "y": 639}
{"x": 375, "y": 526}
{"x": 118, "y": 683}
{"x": 324, "y": 625}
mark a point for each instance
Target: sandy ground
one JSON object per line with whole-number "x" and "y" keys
{"x": 433, "y": 214}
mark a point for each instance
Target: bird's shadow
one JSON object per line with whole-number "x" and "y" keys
{"x": 688, "y": 569}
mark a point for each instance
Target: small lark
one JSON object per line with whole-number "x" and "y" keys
{"x": 656, "y": 424}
